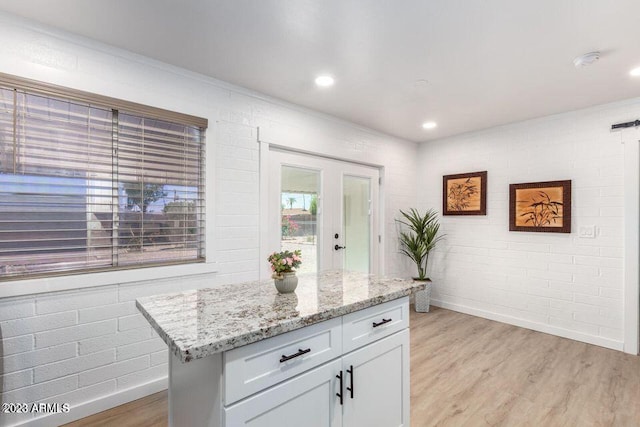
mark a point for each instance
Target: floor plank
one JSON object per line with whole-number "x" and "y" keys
{"x": 471, "y": 371}
{"x": 468, "y": 371}
{"x": 150, "y": 411}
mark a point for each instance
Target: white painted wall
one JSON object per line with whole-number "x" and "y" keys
{"x": 556, "y": 283}
{"x": 89, "y": 347}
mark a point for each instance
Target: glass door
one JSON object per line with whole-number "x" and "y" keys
{"x": 356, "y": 223}
{"x": 299, "y": 192}
{"x": 325, "y": 208}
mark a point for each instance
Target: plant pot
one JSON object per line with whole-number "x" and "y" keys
{"x": 287, "y": 284}
{"x": 423, "y": 298}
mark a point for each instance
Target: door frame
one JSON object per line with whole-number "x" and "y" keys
{"x": 630, "y": 138}
{"x": 265, "y": 149}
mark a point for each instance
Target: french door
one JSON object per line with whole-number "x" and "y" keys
{"x": 327, "y": 209}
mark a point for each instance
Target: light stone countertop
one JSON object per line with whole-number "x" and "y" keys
{"x": 198, "y": 323}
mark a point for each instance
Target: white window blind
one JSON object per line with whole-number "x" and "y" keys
{"x": 87, "y": 187}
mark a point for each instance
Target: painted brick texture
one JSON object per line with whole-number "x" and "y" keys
{"x": 557, "y": 283}
{"x": 79, "y": 346}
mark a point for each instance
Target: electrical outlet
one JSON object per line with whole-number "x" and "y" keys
{"x": 587, "y": 231}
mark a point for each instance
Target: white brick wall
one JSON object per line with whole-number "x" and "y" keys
{"x": 556, "y": 283}
{"x": 79, "y": 346}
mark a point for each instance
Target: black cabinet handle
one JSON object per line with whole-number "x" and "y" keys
{"x": 300, "y": 352}
{"x": 338, "y": 247}
{"x": 375, "y": 325}
{"x": 339, "y": 376}
{"x": 350, "y": 372}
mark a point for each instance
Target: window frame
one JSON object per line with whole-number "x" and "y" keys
{"x": 107, "y": 102}
{"x": 74, "y": 279}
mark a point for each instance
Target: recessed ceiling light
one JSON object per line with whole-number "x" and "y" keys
{"x": 586, "y": 59}
{"x": 635, "y": 72}
{"x": 429, "y": 125}
{"x": 324, "y": 81}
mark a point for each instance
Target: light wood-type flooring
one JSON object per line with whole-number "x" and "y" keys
{"x": 468, "y": 371}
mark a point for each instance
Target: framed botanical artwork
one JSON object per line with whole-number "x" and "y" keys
{"x": 464, "y": 194}
{"x": 540, "y": 206}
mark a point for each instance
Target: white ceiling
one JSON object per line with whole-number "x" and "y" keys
{"x": 487, "y": 62}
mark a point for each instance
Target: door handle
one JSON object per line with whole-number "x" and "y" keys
{"x": 338, "y": 247}
{"x": 341, "y": 393}
{"x": 350, "y": 372}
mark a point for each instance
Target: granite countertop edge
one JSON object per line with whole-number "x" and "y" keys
{"x": 228, "y": 343}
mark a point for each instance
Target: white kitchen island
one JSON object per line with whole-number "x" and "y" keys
{"x": 334, "y": 353}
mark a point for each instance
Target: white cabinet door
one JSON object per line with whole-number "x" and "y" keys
{"x": 378, "y": 376}
{"x": 307, "y": 400}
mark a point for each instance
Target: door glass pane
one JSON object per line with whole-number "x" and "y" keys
{"x": 356, "y": 211}
{"x": 299, "y": 212}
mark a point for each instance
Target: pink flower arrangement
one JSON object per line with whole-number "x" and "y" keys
{"x": 284, "y": 262}
{"x": 289, "y": 226}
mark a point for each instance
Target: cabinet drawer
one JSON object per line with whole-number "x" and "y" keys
{"x": 256, "y": 366}
{"x": 365, "y": 326}
{"x": 308, "y": 400}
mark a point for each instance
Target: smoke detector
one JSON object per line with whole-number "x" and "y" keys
{"x": 586, "y": 59}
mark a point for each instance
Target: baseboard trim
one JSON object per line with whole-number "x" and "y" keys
{"x": 94, "y": 406}
{"x": 100, "y": 404}
{"x": 535, "y": 326}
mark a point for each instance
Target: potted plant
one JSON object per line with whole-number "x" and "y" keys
{"x": 418, "y": 238}
{"x": 283, "y": 265}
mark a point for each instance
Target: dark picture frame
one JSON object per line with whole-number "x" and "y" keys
{"x": 464, "y": 194}
{"x": 540, "y": 207}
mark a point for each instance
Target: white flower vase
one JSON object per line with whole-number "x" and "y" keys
{"x": 423, "y": 298}
{"x": 287, "y": 284}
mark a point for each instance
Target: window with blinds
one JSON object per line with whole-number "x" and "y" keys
{"x": 93, "y": 186}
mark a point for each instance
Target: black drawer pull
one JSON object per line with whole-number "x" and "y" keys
{"x": 350, "y": 372}
{"x": 375, "y": 325}
{"x": 300, "y": 352}
{"x": 341, "y": 394}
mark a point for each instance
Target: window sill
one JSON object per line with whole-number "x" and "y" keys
{"x": 79, "y": 281}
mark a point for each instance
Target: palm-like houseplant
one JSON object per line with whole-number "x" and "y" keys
{"x": 420, "y": 237}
